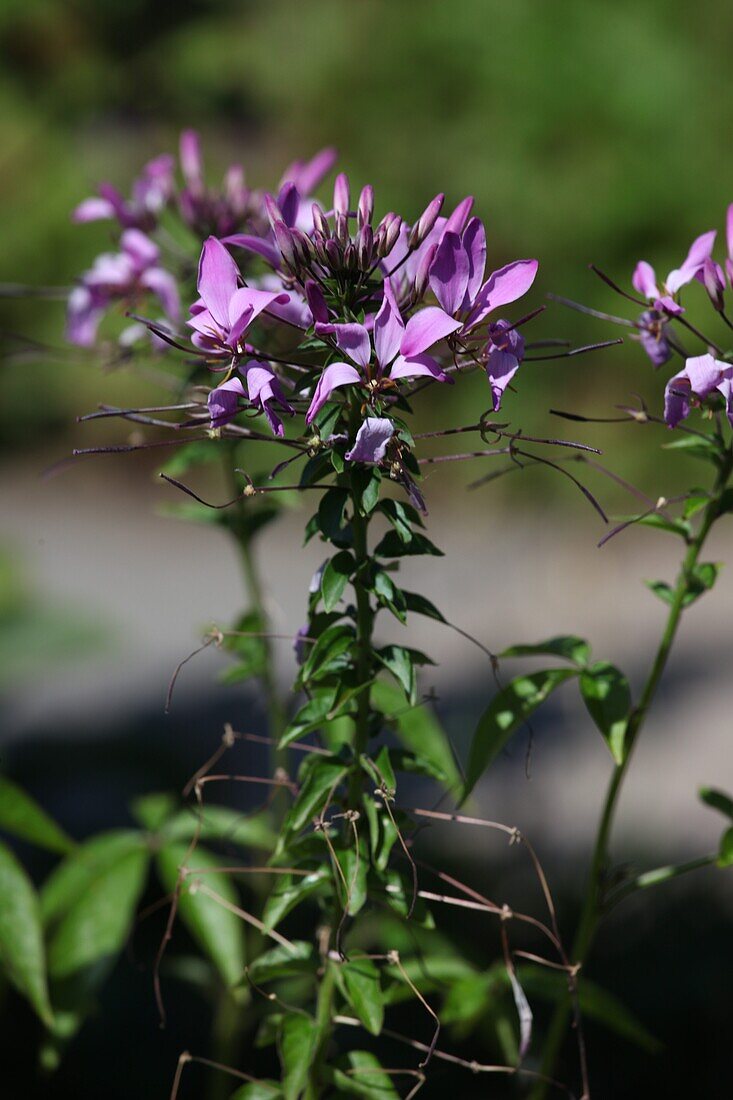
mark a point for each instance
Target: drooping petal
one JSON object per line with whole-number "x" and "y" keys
{"x": 450, "y": 272}
{"x": 501, "y": 366}
{"x": 217, "y": 280}
{"x": 425, "y": 329}
{"x": 164, "y": 286}
{"x": 142, "y": 251}
{"x": 677, "y": 400}
{"x": 371, "y": 440}
{"x": 644, "y": 280}
{"x": 388, "y": 327}
{"x": 474, "y": 242}
{"x": 306, "y": 175}
{"x": 316, "y": 302}
{"x": 351, "y": 339}
{"x": 92, "y": 210}
{"x": 653, "y": 338}
{"x": 418, "y": 366}
{"x": 265, "y": 392}
{"x": 223, "y": 402}
{"x": 702, "y": 375}
{"x": 259, "y": 245}
{"x": 503, "y": 287}
{"x": 700, "y": 248}
{"x": 335, "y": 375}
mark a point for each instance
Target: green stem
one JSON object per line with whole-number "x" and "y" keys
{"x": 592, "y": 909}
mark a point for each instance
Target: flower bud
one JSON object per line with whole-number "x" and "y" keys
{"x": 341, "y": 231}
{"x": 366, "y": 206}
{"x": 303, "y": 246}
{"x": 457, "y": 221}
{"x": 425, "y": 222}
{"x": 285, "y": 242}
{"x": 273, "y": 211}
{"x": 341, "y": 194}
{"x": 333, "y": 255}
{"x": 391, "y": 234}
{"x": 316, "y": 302}
{"x": 320, "y": 221}
{"x": 422, "y": 274}
{"x": 711, "y": 276}
{"x": 365, "y": 246}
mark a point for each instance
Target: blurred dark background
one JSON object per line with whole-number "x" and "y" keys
{"x": 589, "y": 131}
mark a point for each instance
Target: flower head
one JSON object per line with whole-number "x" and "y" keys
{"x": 702, "y": 376}
{"x": 151, "y": 192}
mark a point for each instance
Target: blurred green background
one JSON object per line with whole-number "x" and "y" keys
{"x": 588, "y": 131}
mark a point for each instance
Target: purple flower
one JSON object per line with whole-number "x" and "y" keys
{"x": 224, "y": 310}
{"x": 371, "y": 441}
{"x": 263, "y": 389}
{"x": 653, "y": 336}
{"x": 126, "y": 275}
{"x": 713, "y": 279}
{"x": 701, "y": 376}
{"x": 644, "y": 279}
{"x": 150, "y": 194}
{"x": 400, "y": 350}
{"x": 207, "y": 210}
{"x": 505, "y": 352}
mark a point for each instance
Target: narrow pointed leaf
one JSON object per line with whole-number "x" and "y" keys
{"x": 22, "y": 955}
{"x": 606, "y": 693}
{"x": 21, "y": 816}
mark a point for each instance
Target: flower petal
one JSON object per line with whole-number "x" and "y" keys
{"x": 223, "y": 402}
{"x": 501, "y": 366}
{"x": 352, "y": 340}
{"x": 190, "y": 154}
{"x": 141, "y": 250}
{"x": 92, "y": 210}
{"x": 502, "y": 287}
{"x": 700, "y": 249}
{"x": 217, "y": 280}
{"x": 371, "y": 440}
{"x": 418, "y": 366}
{"x": 474, "y": 242}
{"x": 644, "y": 280}
{"x": 259, "y": 245}
{"x": 164, "y": 286}
{"x": 388, "y": 327}
{"x": 335, "y": 375}
{"x": 456, "y": 223}
{"x": 450, "y": 272}
{"x": 425, "y": 329}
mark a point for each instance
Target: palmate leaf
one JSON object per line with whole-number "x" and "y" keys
{"x": 218, "y": 931}
{"x": 21, "y": 816}
{"x": 506, "y": 712}
{"x": 22, "y": 954}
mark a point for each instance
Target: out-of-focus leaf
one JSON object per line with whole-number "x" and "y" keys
{"x": 283, "y": 962}
{"x": 506, "y": 712}
{"x": 23, "y": 817}
{"x": 725, "y": 852}
{"x": 151, "y": 811}
{"x": 221, "y": 823}
{"x": 22, "y": 955}
{"x": 606, "y": 694}
{"x": 74, "y": 876}
{"x": 566, "y": 646}
{"x": 717, "y": 800}
{"x": 298, "y": 1038}
{"x": 363, "y": 1075}
{"x": 258, "y": 1090}
{"x": 218, "y": 931}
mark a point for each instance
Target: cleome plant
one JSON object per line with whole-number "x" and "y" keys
{"x": 311, "y": 332}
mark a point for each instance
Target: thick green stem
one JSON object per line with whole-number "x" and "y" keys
{"x": 592, "y": 909}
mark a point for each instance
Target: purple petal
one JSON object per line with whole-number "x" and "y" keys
{"x": 223, "y": 402}
{"x": 677, "y": 400}
{"x": 725, "y": 387}
{"x": 352, "y": 340}
{"x": 729, "y": 230}
{"x": 82, "y": 318}
{"x": 217, "y": 280}
{"x": 289, "y": 202}
{"x": 425, "y": 329}
{"x": 247, "y": 298}
{"x": 667, "y": 305}
{"x": 474, "y": 242}
{"x": 704, "y": 373}
{"x": 190, "y": 153}
{"x": 92, "y": 210}
{"x": 700, "y": 249}
{"x": 501, "y": 366}
{"x": 141, "y": 250}
{"x": 341, "y": 194}
{"x": 388, "y": 327}
{"x": 164, "y": 286}
{"x": 450, "y": 272}
{"x": 644, "y": 280}
{"x": 307, "y": 175}
{"x": 316, "y": 302}
{"x": 418, "y": 366}
{"x": 653, "y": 338}
{"x": 371, "y": 440}
{"x": 259, "y": 245}
{"x": 502, "y": 287}
{"x": 456, "y": 223}
{"x": 335, "y": 375}
{"x": 265, "y": 391}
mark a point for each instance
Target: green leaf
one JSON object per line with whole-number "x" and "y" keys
{"x": 151, "y": 811}
{"x": 363, "y": 990}
{"x": 595, "y": 1003}
{"x": 662, "y": 590}
{"x": 310, "y": 716}
{"x": 402, "y": 516}
{"x": 401, "y": 662}
{"x": 75, "y": 876}
{"x": 283, "y": 962}
{"x": 247, "y": 647}
{"x": 221, "y": 823}
{"x": 700, "y": 580}
{"x": 330, "y": 517}
{"x": 354, "y": 867}
{"x": 363, "y": 1076}
{"x": 700, "y": 447}
{"x": 22, "y": 955}
{"x": 94, "y": 929}
{"x": 21, "y": 816}
{"x": 566, "y": 646}
{"x": 392, "y": 546}
{"x": 329, "y": 652}
{"x": 199, "y": 453}
{"x": 298, "y": 1039}
{"x": 661, "y": 523}
{"x": 258, "y": 1090}
{"x": 421, "y": 605}
{"x": 322, "y": 776}
{"x": 725, "y": 853}
{"x": 717, "y": 800}
{"x": 335, "y": 577}
{"x": 366, "y": 482}
{"x": 606, "y": 694}
{"x": 418, "y": 729}
{"x": 506, "y": 712}
{"x": 218, "y": 931}
{"x": 288, "y": 892}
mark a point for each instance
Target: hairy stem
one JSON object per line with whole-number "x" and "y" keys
{"x": 593, "y": 903}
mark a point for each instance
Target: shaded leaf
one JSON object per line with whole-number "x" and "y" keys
{"x": 335, "y": 577}
{"x": 363, "y": 1075}
{"x": 418, "y": 729}
{"x": 22, "y": 955}
{"x": 392, "y": 546}
{"x": 75, "y": 875}
{"x": 506, "y": 712}
{"x": 289, "y": 891}
{"x": 717, "y": 800}
{"x": 283, "y": 962}
{"x": 23, "y": 817}
{"x": 258, "y": 1090}
{"x": 606, "y": 694}
{"x": 566, "y": 646}
{"x": 363, "y": 990}
{"x": 221, "y": 823}
{"x": 298, "y": 1039}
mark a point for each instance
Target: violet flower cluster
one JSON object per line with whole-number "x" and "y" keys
{"x": 300, "y": 308}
